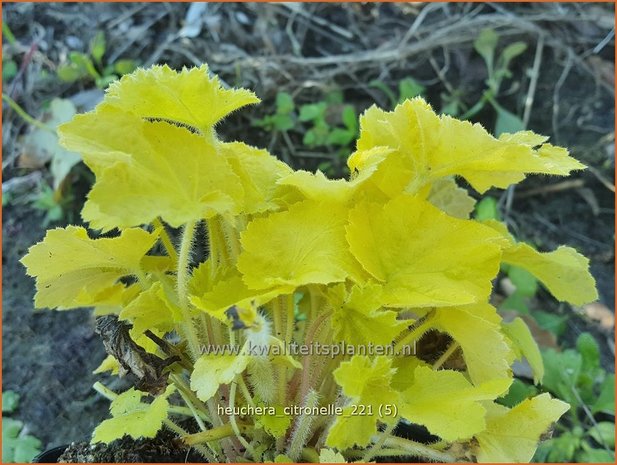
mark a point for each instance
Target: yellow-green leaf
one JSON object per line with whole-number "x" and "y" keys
{"x": 132, "y": 417}
{"x": 405, "y": 371}
{"x": 564, "y": 272}
{"x": 512, "y": 435}
{"x": 367, "y": 383}
{"x": 110, "y": 364}
{"x": 315, "y": 186}
{"x": 213, "y": 370}
{"x": 421, "y": 256}
{"x": 447, "y": 404}
{"x": 275, "y": 425}
{"x": 258, "y": 172}
{"x": 190, "y": 96}
{"x": 350, "y": 429}
{"x": 358, "y": 318}
{"x": 156, "y": 168}
{"x": 525, "y": 346}
{"x": 151, "y": 309}
{"x": 329, "y": 456}
{"x": 72, "y": 270}
{"x": 430, "y": 147}
{"x": 446, "y": 195}
{"x": 476, "y": 328}
{"x": 226, "y": 289}
{"x": 303, "y": 245}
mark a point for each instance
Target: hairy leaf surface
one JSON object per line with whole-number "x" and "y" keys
{"x": 190, "y": 96}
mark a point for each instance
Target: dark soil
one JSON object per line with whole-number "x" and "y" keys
{"x": 161, "y": 449}
{"x": 48, "y": 357}
{"x": 307, "y": 50}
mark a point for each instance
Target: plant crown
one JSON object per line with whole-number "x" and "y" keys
{"x": 388, "y": 258}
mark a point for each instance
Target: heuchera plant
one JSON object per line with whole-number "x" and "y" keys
{"x": 387, "y": 260}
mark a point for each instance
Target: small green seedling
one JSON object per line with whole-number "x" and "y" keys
{"x": 498, "y": 69}
{"x": 407, "y": 88}
{"x": 90, "y": 66}
{"x": 17, "y": 445}
{"x": 284, "y": 117}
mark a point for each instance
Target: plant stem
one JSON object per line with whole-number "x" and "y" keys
{"x": 182, "y": 286}
{"x": 169, "y": 247}
{"x": 104, "y": 391}
{"x": 234, "y": 424}
{"x": 418, "y": 449}
{"x": 186, "y": 390}
{"x": 214, "y": 434}
{"x": 25, "y": 116}
{"x": 187, "y": 401}
{"x": 415, "y": 332}
{"x": 245, "y": 391}
{"x": 376, "y": 447}
{"x": 446, "y": 355}
{"x": 291, "y": 319}
{"x": 302, "y": 428}
{"x": 216, "y": 240}
{"x": 231, "y": 239}
{"x": 208, "y": 455}
{"x": 276, "y": 318}
{"x": 183, "y": 263}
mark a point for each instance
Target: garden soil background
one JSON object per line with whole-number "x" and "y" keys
{"x": 562, "y": 85}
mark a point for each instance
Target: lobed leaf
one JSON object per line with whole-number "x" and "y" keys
{"x": 525, "y": 346}
{"x": 258, "y": 172}
{"x": 512, "y": 435}
{"x": 420, "y": 256}
{"x": 358, "y": 318}
{"x": 477, "y": 329}
{"x": 132, "y": 417}
{"x": 226, "y": 290}
{"x": 303, "y": 245}
{"x": 564, "y": 272}
{"x": 447, "y": 404}
{"x": 72, "y": 270}
{"x": 430, "y": 147}
{"x": 156, "y": 168}
{"x": 446, "y": 195}
{"x": 151, "y": 310}
{"x": 367, "y": 383}
{"x": 190, "y": 96}
{"x": 212, "y": 370}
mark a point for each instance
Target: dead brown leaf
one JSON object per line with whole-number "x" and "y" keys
{"x": 147, "y": 368}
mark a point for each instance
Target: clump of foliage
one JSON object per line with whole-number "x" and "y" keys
{"x": 17, "y": 445}
{"x": 388, "y": 258}
{"x": 577, "y": 377}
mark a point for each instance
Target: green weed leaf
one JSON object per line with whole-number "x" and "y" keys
{"x": 97, "y": 47}
{"x": 10, "y": 401}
